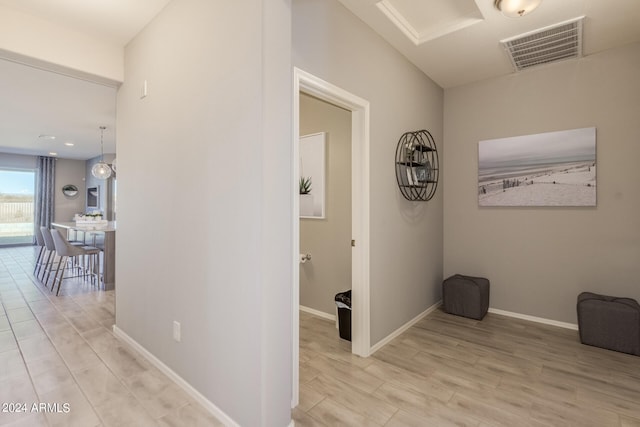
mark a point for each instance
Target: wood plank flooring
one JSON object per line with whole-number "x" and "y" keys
{"x": 452, "y": 371}
{"x": 60, "y": 350}
{"x": 444, "y": 371}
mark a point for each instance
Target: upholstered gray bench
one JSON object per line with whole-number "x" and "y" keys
{"x": 466, "y": 296}
{"x": 609, "y": 322}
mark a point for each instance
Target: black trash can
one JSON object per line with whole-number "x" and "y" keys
{"x": 343, "y": 301}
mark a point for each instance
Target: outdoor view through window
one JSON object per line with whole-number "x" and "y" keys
{"x": 16, "y": 206}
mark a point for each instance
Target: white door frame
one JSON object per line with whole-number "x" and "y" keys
{"x": 309, "y": 84}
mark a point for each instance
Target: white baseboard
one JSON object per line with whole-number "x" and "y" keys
{"x": 413, "y": 321}
{"x": 534, "y": 319}
{"x": 195, "y": 394}
{"x": 403, "y": 328}
{"x": 318, "y": 313}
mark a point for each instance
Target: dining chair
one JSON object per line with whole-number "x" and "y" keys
{"x": 65, "y": 251}
{"x": 51, "y": 254}
{"x": 41, "y": 253}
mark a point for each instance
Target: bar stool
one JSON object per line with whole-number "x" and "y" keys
{"x": 65, "y": 250}
{"x": 41, "y": 253}
{"x": 51, "y": 252}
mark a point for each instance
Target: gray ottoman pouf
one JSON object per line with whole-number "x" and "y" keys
{"x": 609, "y": 322}
{"x": 466, "y": 296}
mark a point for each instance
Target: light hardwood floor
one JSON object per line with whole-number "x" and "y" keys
{"x": 59, "y": 350}
{"x": 452, "y": 371}
{"x": 444, "y": 371}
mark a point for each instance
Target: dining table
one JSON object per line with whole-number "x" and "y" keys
{"x": 104, "y": 236}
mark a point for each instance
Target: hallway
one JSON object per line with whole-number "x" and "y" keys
{"x": 61, "y": 350}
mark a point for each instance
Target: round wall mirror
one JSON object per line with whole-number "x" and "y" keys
{"x": 70, "y": 190}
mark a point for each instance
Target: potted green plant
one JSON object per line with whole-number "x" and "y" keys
{"x": 306, "y": 198}
{"x": 305, "y": 185}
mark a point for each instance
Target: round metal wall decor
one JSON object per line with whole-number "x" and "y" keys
{"x": 417, "y": 168}
{"x": 69, "y": 190}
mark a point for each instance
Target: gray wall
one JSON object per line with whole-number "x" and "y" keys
{"x": 69, "y": 172}
{"x": 105, "y": 187}
{"x": 328, "y": 240}
{"x": 205, "y": 203}
{"x": 539, "y": 259}
{"x": 18, "y": 161}
{"x": 406, "y": 237}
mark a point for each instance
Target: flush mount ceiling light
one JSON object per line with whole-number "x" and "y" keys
{"x": 46, "y": 137}
{"x": 101, "y": 170}
{"x": 516, "y": 8}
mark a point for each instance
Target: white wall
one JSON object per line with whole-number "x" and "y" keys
{"x": 276, "y": 249}
{"x": 540, "y": 259}
{"x": 24, "y": 37}
{"x": 204, "y": 201}
{"x": 406, "y": 237}
{"x": 328, "y": 240}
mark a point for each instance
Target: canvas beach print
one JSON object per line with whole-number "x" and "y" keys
{"x": 546, "y": 169}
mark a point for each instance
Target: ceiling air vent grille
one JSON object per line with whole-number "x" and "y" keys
{"x": 549, "y": 44}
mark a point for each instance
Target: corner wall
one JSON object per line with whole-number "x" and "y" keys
{"x": 406, "y": 237}
{"x": 204, "y": 201}
{"x": 540, "y": 259}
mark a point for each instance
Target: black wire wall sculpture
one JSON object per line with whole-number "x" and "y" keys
{"x": 417, "y": 167}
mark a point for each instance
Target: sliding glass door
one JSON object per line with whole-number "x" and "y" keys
{"x": 16, "y": 206}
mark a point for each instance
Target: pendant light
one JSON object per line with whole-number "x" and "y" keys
{"x": 101, "y": 170}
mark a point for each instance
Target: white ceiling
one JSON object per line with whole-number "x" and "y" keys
{"x": 36, "y": 102}
{"x": 116, "y": 21}
{"x": 453, "y": 41}
{"x": 467, "y": 33}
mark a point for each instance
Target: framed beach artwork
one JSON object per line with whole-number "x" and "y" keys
{"x": 545, "y": 169}
{"x": 312, "y": 176}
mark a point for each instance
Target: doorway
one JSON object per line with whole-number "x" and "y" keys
{"x": 17, "y": 200}
{"x": 320, "y": 89}
{"x": 325, "y": 207}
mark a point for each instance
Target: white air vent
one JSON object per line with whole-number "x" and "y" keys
{"x": 549, "y": 44}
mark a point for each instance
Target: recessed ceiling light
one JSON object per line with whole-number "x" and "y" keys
{"x": 53, "y": 154}
{"x": 47, "y": 137}
{"x": 69, "y": 144}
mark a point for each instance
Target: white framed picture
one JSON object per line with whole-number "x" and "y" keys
{"x": 545, "y": 169}
{"x": 312, "y": 175}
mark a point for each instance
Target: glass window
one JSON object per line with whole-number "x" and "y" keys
{"x": 17, "y": 189}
